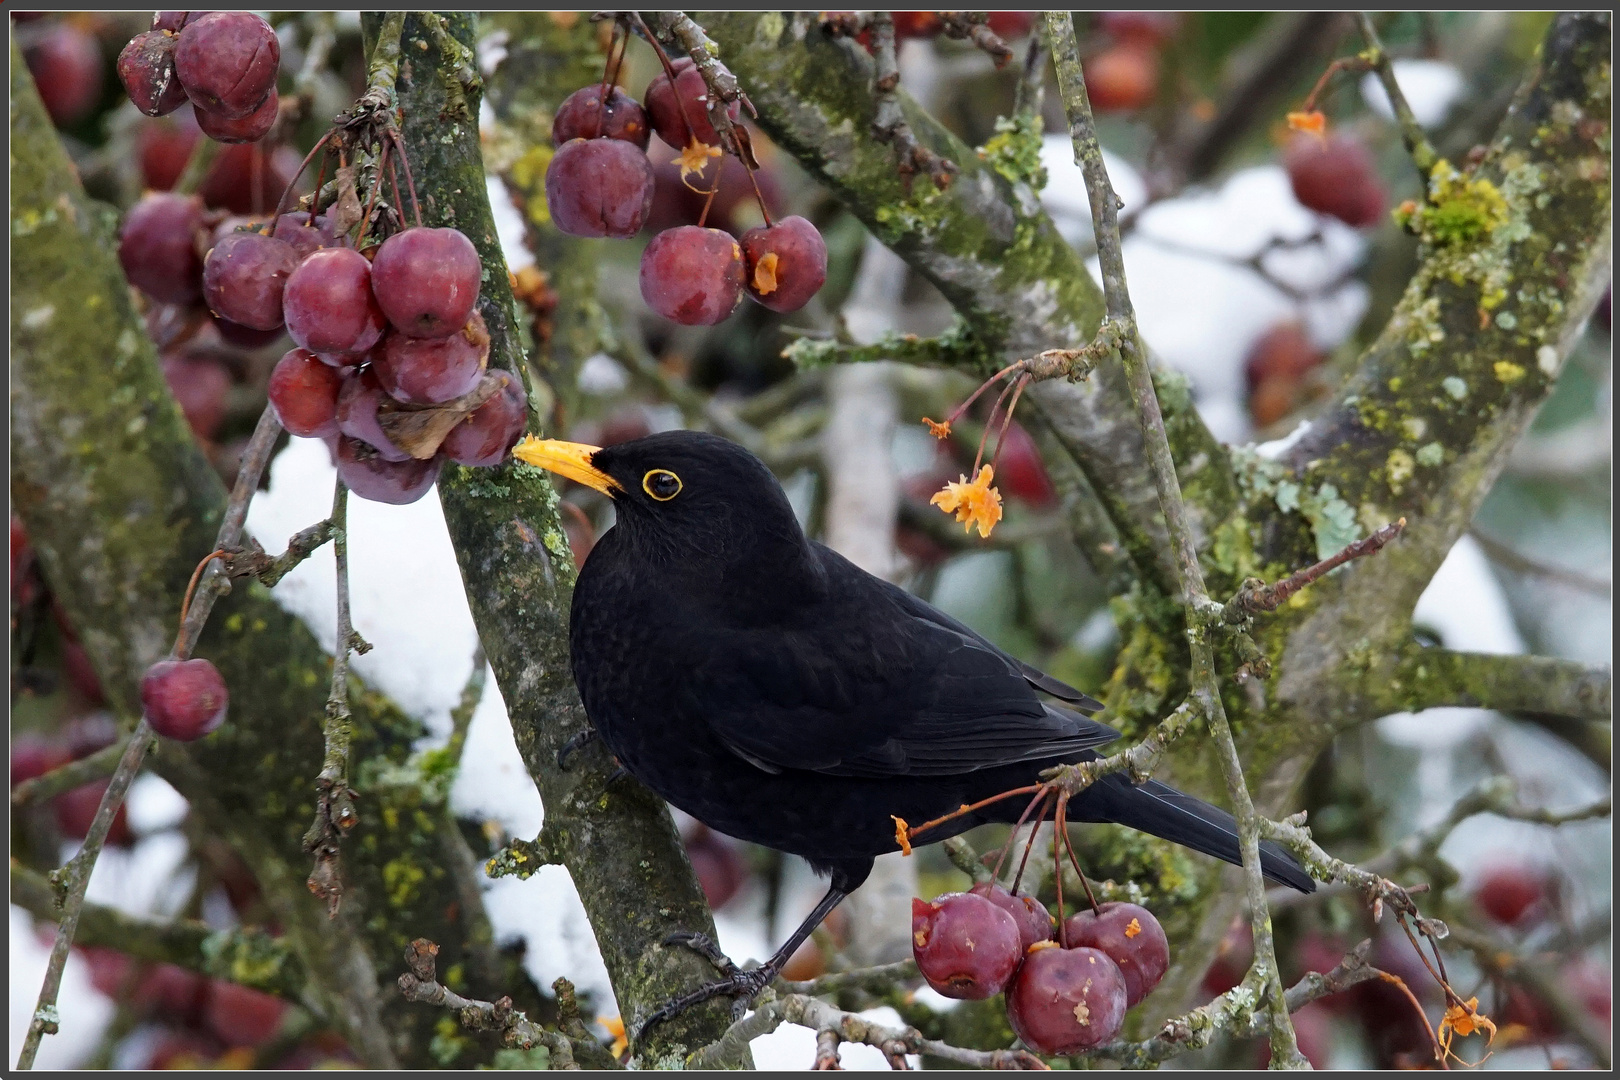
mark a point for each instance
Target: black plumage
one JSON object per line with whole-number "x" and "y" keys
{"x": 776, "y": 692}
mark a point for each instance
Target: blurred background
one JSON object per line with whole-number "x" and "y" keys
{"x": 1260, "y": 268}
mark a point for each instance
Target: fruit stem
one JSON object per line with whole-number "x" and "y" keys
{"x": 410, "y": 183}
{"x": 1041, "y": 791}
{"x": 1001, "y": 439}
{"x": 610, "y": 72}
{"x": 181, "y": 646}
{"x": 709, "y": 201}
{"x": 197, "y": 166}
{"x": 376, "y": 183}
{"x": 669, "y": 70}
{"x": 1068, "y": 842}
{"x": 281, "y": 204}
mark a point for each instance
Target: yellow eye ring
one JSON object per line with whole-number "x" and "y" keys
{"x": 661, "y": 484}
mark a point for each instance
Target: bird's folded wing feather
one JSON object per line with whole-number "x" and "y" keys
{"x": 909, "y": 697}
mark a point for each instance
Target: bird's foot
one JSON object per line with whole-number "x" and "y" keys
{"x": 574, "y": 745}
{"x": 743, "y": 985}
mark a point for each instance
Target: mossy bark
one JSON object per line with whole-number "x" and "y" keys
{"x": 617, "y": 841}
{"x": 120, "y": 503}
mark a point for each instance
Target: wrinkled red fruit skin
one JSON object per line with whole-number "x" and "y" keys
{"x": 157, "y": 247}
{"x": 184, "y": 699}
{"x": 599, "y": 187}
{"x": 1043, "y": 1001}
{"x": 964, "y": 945}
{"x": 1034, "y": 922}
{"x": 66, "y": 65}
{"x": 199, "y": 384}
{"x": 1124, "y": 77}
{"x": 357, "y": 414}
{"x": 242, "y": 1016}
{"x": 244, "y": 277}
{"x": 228, "y": 61}
{"x": 370, "y": 476}
{"x": 1142, "y": 958}
{"x": 329, "y": 306}
{"x": 1335, "y": 177}
{"x": 250, "y": 128}
{"x": 581, "y": 116}
{"x": 426, "y": 281}
{"x": 304, "y": 392}
{"x": 146, "y": 67}
{"x": 692, "y": 275}
{"x": 801, "y": 262}
{"x": 430, "y": 371}
{"x": 295, "y": 230}
{"x": 488, "y": 435}
{"x": 665, "y": 116}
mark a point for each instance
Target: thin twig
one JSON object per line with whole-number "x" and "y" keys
{"x": 334, "y": 801}
{"x": 65, "y": 778}
{"x": 1417, "y": 143}
{"x": 1206, "y": 690}
{"x": 1256, "y": 596}
{"x": 889, "y": 123}
{"x": 471, "y": 694}
{"x": 72, "y": 880}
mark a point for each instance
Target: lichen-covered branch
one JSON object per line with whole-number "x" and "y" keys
{"x": 250, "y": 957}
{"x": 618, "y": 841}
{"x": 1427, "y": 678}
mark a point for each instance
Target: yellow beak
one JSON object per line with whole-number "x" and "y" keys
{"x": 569, "y": 459}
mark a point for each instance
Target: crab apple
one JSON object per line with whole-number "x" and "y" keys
{"x": 357, "y": 414}
{"x": 1131, "y": 937}
{"x": 304, "y": 392}
{"x": 248, "y": 178}
{"x": 1020, "y": 470}
{"x": 245, "y": 129}
{"x": 242, "y": 1016}
{"x": 66, "y": 65}
{"x": 733, "y": 208}
{"x": 488, "y": 435}
{"x": 692, "y": 275}
{"x": 163, "y": 145}
{"x": 430, "y": 371}
{"x": 184, "y": 699}
{"x": 582, "y": 116}
{"x": 329, "y": 305}
{"x": 426, "y": 281}
{"x": 1123, "y": 77}
{"x": 304, "y": 236}
{"x": 199, "y": 383}
{"x": 1149, "y": 29}
{"x": 146, "y": 66}
{"x": 76, "y": 809}
{"x": 157, "y": 247}
{"x": 665, "y": 115}
{"x": 599, "y": 187}
{"x": 964, "y": 945}
{"x": 244, "y": 337}
{"x": 1011, "y": 25}
{"x": 785, "y": 264}
{"x": 174, "y": 21}
{"x": 1513, "y": 893}
{"x": 244, "y": 277}
{"x": 1034, "y": 921}
{"x": 916, "y": 24}
{"x": 719, "y": 869}
{"x": 1283, "y": 351}
{"x": 1063, "y": 1001}
{"x": 1335, "y": 176}
{"x": 228, "y": 61}
{"x": 372, "y": 476}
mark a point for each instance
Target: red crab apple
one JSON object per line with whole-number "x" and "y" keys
{"x": 964, "y": 945}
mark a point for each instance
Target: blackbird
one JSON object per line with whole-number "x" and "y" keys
{"x": 780, "y": 694}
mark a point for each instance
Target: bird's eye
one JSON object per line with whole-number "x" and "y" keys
{"x": 661, "y": 484}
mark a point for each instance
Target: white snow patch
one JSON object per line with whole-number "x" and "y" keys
{"x": 793, "y": 1048}
{"x": 1276, "y": 448}
{"x": 1431, "y": 88}
{"x": 83, "y": 1013}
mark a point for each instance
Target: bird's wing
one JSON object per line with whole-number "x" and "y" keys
{"x": 885, "y": 693}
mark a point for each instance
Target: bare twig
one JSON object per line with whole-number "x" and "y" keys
{"x": 300, "y": 546}
{"x": 1256, "y": 596}
{"x": 71, "y": 880}
{"x": 873, "y": 979}
{"x": 889, "y": 124}
{"x": 1417, "y": 143}
{"x": 973, "y": 26}
{"x": 65, "y": 778}
{"x": 1206, "y": 690}
{"x": 471, "y": 694}
{"x": 334, "y": 800}
{"x": 677, "y": 28}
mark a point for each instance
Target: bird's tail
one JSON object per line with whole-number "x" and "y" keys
{"x": 1162, "y": 811}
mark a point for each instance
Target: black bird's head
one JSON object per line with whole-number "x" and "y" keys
{"x": 684, "y": 497}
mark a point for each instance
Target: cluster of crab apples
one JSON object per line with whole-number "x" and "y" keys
{"x": 224, "y": 62}
{"x": 600, "y": 184}
{"x": 1063, "y": 996}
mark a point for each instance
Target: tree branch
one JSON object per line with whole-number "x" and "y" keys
{"x": 1428, "y": 678}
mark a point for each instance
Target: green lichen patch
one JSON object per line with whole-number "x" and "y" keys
{"x": 1014, "y": 150}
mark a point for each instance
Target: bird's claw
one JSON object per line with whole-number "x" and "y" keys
{"x": 704, "y": 946}
{"x": 575, "y": 743}
{"x": 743, "y": 985}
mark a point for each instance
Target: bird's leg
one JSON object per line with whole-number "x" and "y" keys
{"x": 743, "y": 984}
{"x": 574, "y": 745}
